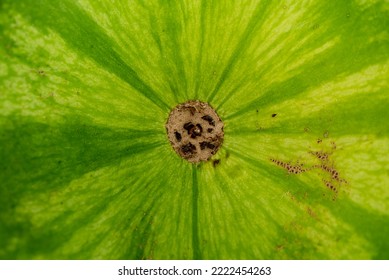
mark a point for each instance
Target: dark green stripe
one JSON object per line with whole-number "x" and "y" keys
{"x": 200, "y": 52}
{"x": 61, "y": 153}
{"x": 195, "y": 200}
{"x": 246, "y": 38}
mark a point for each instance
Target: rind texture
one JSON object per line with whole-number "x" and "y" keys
{"x": 87, "y": 170}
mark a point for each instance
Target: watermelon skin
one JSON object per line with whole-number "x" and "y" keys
{"x": 86, "y": 171}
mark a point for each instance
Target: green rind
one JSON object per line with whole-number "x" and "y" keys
{"x": 86, "y": 170}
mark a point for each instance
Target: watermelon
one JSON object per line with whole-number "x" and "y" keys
{"x": 87, "y": 170}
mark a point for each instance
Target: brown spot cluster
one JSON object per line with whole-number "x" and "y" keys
{"x": 334, "y": 175}
{"x": 330, "y": 175}
{"x": 311, "y": 213}
{"x": 320, "y": 155}
{"x": 195, "y": 131}
{"x": 325, "y": 163}
{"x": 291, "y": 168}
{"x": 332, "y": 180}
{"x": 330, "y": 186}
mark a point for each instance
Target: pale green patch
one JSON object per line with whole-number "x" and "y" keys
{"x": 370, "y": 81}
{"x": 365, "y": 162}
{"x": 51, "y": 88}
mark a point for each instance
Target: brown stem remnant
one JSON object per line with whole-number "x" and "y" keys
{"x": 195, "y": 131}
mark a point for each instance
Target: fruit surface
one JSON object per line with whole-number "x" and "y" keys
{"x": 86, "y": 168}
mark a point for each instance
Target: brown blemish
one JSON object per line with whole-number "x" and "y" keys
{"x": 216, "y": 162}
{"x": 280, "y": 247}
{"x": 195, "y": 131}
{"x": 330, "y": 186}
{"x": 291, "y": 168}
{"x": 178, "y": 136}
{"x": 331, "y": 177}
{"x": 273, "y": 115}
{"x": 188, "y": 149}
{"x": 332, "y": 172}
{"x": 209, "y": 119}
{"x": 210, "y": 146}
{"x": 311, "y": 213}
{"x": 205, "y": 144}
{"x": 41, "y": 72}
{"x": 320, "y": 155}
